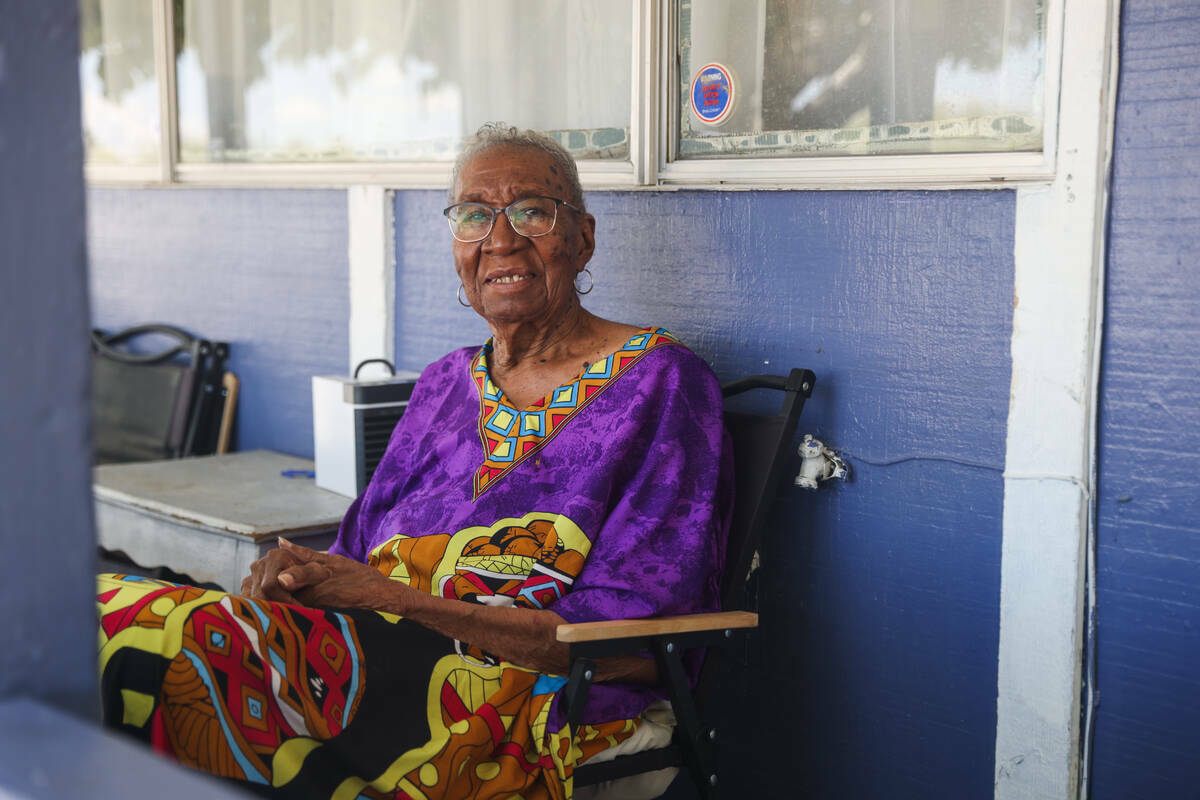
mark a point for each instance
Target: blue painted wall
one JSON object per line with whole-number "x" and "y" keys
{"x": 265, "y": 270}
{"x": 1149, "y": 498}
{"x": 45, "y": 479}
{"x": 881, "y": 597}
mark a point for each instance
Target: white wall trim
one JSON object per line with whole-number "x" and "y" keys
{"x": 372, "y": 245}
{"x": 929, "y": 171}
{"x": 1049, "y": 484}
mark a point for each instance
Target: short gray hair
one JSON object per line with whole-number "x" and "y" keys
{"x": 500, "y": 134}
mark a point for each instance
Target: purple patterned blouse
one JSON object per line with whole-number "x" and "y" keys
{"x": 633, "y": 452}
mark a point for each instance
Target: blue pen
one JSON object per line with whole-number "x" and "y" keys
{"x": 298, "y": 473}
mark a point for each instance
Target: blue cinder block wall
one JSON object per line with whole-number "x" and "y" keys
{"x": 1148, "y": 721}
{"x": 266, "y": 270}
{"x": 881, "y": 596}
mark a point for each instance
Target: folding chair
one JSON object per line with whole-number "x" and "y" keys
{"x": 167, "y": 404}
{"x": 760, "y": 445}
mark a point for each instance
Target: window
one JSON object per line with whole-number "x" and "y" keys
{"x": 117, "y": 81}
{"x": 817, "y": 77}
{"x": 642, "y": 92}
{"x": 369, "y": 81}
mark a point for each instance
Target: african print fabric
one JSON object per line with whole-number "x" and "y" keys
{"x": 509, "y": 436}
{"x": 620, "y": 513}
{"x": 283, "y": 696}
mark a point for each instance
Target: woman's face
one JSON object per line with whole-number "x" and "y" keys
{"x": 510, "y": 278}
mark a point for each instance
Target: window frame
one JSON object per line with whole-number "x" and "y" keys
{"x": 927, "y": 170}
{"x": 653, "y": 132}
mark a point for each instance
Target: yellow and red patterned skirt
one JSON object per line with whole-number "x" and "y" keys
{"x": 303, "y": 702}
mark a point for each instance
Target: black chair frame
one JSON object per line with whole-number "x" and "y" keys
{"x": 200, "y": 400}
{"x": 761, "y": 451}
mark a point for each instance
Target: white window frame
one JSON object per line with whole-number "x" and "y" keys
{"x": 933, "y": 170}
{"x": 653, "y": 133}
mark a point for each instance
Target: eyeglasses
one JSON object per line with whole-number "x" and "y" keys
{"x": 529, "y": 216}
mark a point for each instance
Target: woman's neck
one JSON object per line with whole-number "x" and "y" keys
{"x": 523, "y": 343}
{"x": 527, "y": 363}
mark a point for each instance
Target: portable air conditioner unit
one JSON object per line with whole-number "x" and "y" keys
{"x": 352, "y": 422}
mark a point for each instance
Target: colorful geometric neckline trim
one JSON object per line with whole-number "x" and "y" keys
{"x": 509, "y": 436}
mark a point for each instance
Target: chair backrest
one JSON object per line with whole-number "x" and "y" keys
{"x": 760, "y": 451}
{"x": 145, "y": 405}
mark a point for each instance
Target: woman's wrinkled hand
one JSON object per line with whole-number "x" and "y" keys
{"x": 314, "y": 578}
{"x": 263, "y": 581}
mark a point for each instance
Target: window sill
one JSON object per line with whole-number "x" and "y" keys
{"x": 947, "y": 171}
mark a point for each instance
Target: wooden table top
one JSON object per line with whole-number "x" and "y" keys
{"x": 243, "y": 494}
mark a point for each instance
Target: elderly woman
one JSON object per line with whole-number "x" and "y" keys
{"x": 570, "y": 469}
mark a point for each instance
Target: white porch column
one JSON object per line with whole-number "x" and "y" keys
{"x": 372, "y": 277}
{"x": 1049, "y": 483}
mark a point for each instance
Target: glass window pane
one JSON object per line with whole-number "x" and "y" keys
{"x": 830, "y": 77}
{"x": 117, "y": 82}
{"x": 398, "y": 80}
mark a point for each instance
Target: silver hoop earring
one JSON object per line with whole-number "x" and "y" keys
{"x": 591, "y": 282}
{"x": 459, "y": 295}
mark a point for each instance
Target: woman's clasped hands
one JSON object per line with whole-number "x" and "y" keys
{"x": 303, "y": 576}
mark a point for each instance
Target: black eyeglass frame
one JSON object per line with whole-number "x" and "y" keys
{"x": 497, "y": 211}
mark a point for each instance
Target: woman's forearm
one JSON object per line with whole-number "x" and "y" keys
{"x": 524, "y": 636}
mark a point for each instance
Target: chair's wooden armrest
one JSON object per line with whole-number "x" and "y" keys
{"x": 628, "y": 628}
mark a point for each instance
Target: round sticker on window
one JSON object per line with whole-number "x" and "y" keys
{"x": 712, "y": 93}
